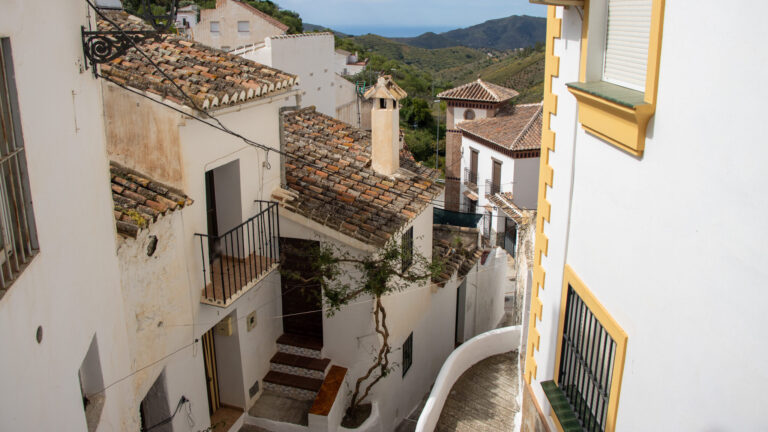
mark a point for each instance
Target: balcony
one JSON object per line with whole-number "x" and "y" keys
{"x": 470, "y": 179}
{"x": 491, "y": 187}
{"x": 234, "y": 261}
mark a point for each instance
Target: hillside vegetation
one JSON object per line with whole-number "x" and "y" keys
{"x": 517, "y": 31}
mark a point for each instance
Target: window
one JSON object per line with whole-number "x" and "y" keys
{"x": 215, "y": 27}
{"x": 407, "y": 354}
{"x": 407, "y": 249}
{"x": 619, "y": 71}
{"x": 382, "y": 103}
{"x": 243, "y": 27}
{"x": 589, "y": 361}
{"x": 18, "y": 235}
{"x": 469, "y": 115}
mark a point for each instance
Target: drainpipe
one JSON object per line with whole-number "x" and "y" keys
{"x": 281, "y": 128}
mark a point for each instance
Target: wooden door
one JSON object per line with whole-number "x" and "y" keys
{"x": 496, "y": 181}
{"x": 302, "y": 301}
{"x": 211, "y": 375}
{"x": 473, "y": 167}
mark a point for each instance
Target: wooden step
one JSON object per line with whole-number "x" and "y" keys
{"x": 300, "y": 361}
{"x": 295, "y": 381}
{"x": 300, "y": 341}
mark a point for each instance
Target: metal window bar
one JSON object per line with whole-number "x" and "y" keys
{"x": 586, "y": 363}
{"x": 470, "y": 177}
{"x": 491, "y": 187}
{"x": 244, "y": 253}
{"x": 18, "y": 236}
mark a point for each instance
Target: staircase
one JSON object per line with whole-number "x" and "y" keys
{"x": 297, "y": 369}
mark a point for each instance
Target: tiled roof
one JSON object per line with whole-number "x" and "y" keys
{"x": 520, "y": 130}
{"x": 210, "y": 76}
{"x": 457, "y": 248}
{"x": 503, "y": 201}
{"x": 479, "y": 91}
{"x": 386, "y": 88}
{"x": 139, "y": 201}
{"x": 262, "y": 15}
{"x": 331, "y": 181}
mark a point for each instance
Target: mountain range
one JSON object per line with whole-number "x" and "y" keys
{"x": 517, "y": 31}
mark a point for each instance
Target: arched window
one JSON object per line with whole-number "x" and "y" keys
{"x": 469, "y": 115}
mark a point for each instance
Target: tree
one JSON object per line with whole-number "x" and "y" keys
{"x": 391, "y": 269}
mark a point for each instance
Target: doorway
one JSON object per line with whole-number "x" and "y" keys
{"x": 302, "y": 301}
{"x": 211, "y": 375}
{"x": 461, "y": 296}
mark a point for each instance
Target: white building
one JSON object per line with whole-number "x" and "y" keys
{"x": 651, "y": 242}
{"x": 198, "y": 247}
{"x": 61, "y": 317}
{"x": 357, "y": 191}
{"x": 233, "y": 24}
{"x": 348, "y": 63}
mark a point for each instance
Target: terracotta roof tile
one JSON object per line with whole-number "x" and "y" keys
{"x": 209, "y": 76}
{"x": 520, "y": 130}
{"x": 503, "y": 201}
{"x": 139, "y": 201}
{"x": 458, "y": 250}
{"x": 479, "y": 91}
{"x": 331, "y": 180}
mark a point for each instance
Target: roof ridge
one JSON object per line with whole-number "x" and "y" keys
{"x": 267, "y": 17}
{"x": 488, "y": 89}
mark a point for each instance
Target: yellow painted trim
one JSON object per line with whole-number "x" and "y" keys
{"x": 622, "y": 126}
{"x": 546, "y": 179}
{"x": 619, "y": 125}
{"x": 611, "y": 326}
{"x": 556, "y": 421}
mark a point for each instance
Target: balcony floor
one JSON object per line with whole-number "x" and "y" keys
{"x": 238, "y": 273}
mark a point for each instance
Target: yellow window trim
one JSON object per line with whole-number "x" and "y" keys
{"x": 622, "y": 126}
{"x": 611, "y": 326}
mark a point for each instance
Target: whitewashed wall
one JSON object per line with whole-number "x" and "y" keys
{"x": 485, "y": 159}
{"x": 311, "y": 57}
{"x": 71, "y": 288}
{"x": 525, "y": 187}
{"x": 672, "y": 243}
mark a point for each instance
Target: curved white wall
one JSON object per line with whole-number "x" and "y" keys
{"x": 478, "y": 348}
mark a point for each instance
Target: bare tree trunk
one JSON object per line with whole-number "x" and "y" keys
{"x": 382, "y": 359}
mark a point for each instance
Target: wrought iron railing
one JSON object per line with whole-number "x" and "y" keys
{"x": 470, "y": 178}
{"x": 240, "y": 256}
{"x": 491, "y": 187}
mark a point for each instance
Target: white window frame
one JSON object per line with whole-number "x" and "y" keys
{"x": 217, "y": 26}
{"x": 247, "y": 30}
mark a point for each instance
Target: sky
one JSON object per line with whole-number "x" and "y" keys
{"x": 406, "y": 16}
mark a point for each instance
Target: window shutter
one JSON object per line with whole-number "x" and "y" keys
{"x": 626, "y": 51}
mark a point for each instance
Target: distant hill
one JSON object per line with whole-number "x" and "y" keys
{"x": 517, "y": 31}
{"x": 309, "y": 28}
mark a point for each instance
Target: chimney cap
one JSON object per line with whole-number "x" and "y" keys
{"x": 385, "y": 88}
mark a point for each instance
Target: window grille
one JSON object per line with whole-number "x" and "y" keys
{"x": 407, "y": 354}
{"x": 407, "y": 249}
{"x": 586, "y": 363}
{"x": 18, "y": 235}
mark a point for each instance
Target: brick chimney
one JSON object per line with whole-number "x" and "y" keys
{"x": 385, "y": 125}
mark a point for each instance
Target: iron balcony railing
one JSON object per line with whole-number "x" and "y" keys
{"x": 470, "y": 178}
{"x": 491, "y": 187}
{"x": 240, "y": 256}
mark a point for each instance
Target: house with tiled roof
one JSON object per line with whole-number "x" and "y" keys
{"x": 193, "y": 137}
{"x": 234, "y": 23}
{"x": 492, "y": 148}
{"x": 472, "y": 101}
{"x": 359, "y": 191}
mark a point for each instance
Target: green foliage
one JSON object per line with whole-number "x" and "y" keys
{"x": 500, "y": 34}
{"x": 416, "y": 112}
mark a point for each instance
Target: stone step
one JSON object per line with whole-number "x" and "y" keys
{"x": 299, "y": 365}
{"x": 298, "y": 387}
{"x": 300, "y": 345}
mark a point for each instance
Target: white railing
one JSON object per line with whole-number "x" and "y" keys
{"x": 462, "y": 358}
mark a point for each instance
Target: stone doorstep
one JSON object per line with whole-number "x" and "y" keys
{"x": 299, "y": 365}
{"x": 289, "y": 380}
